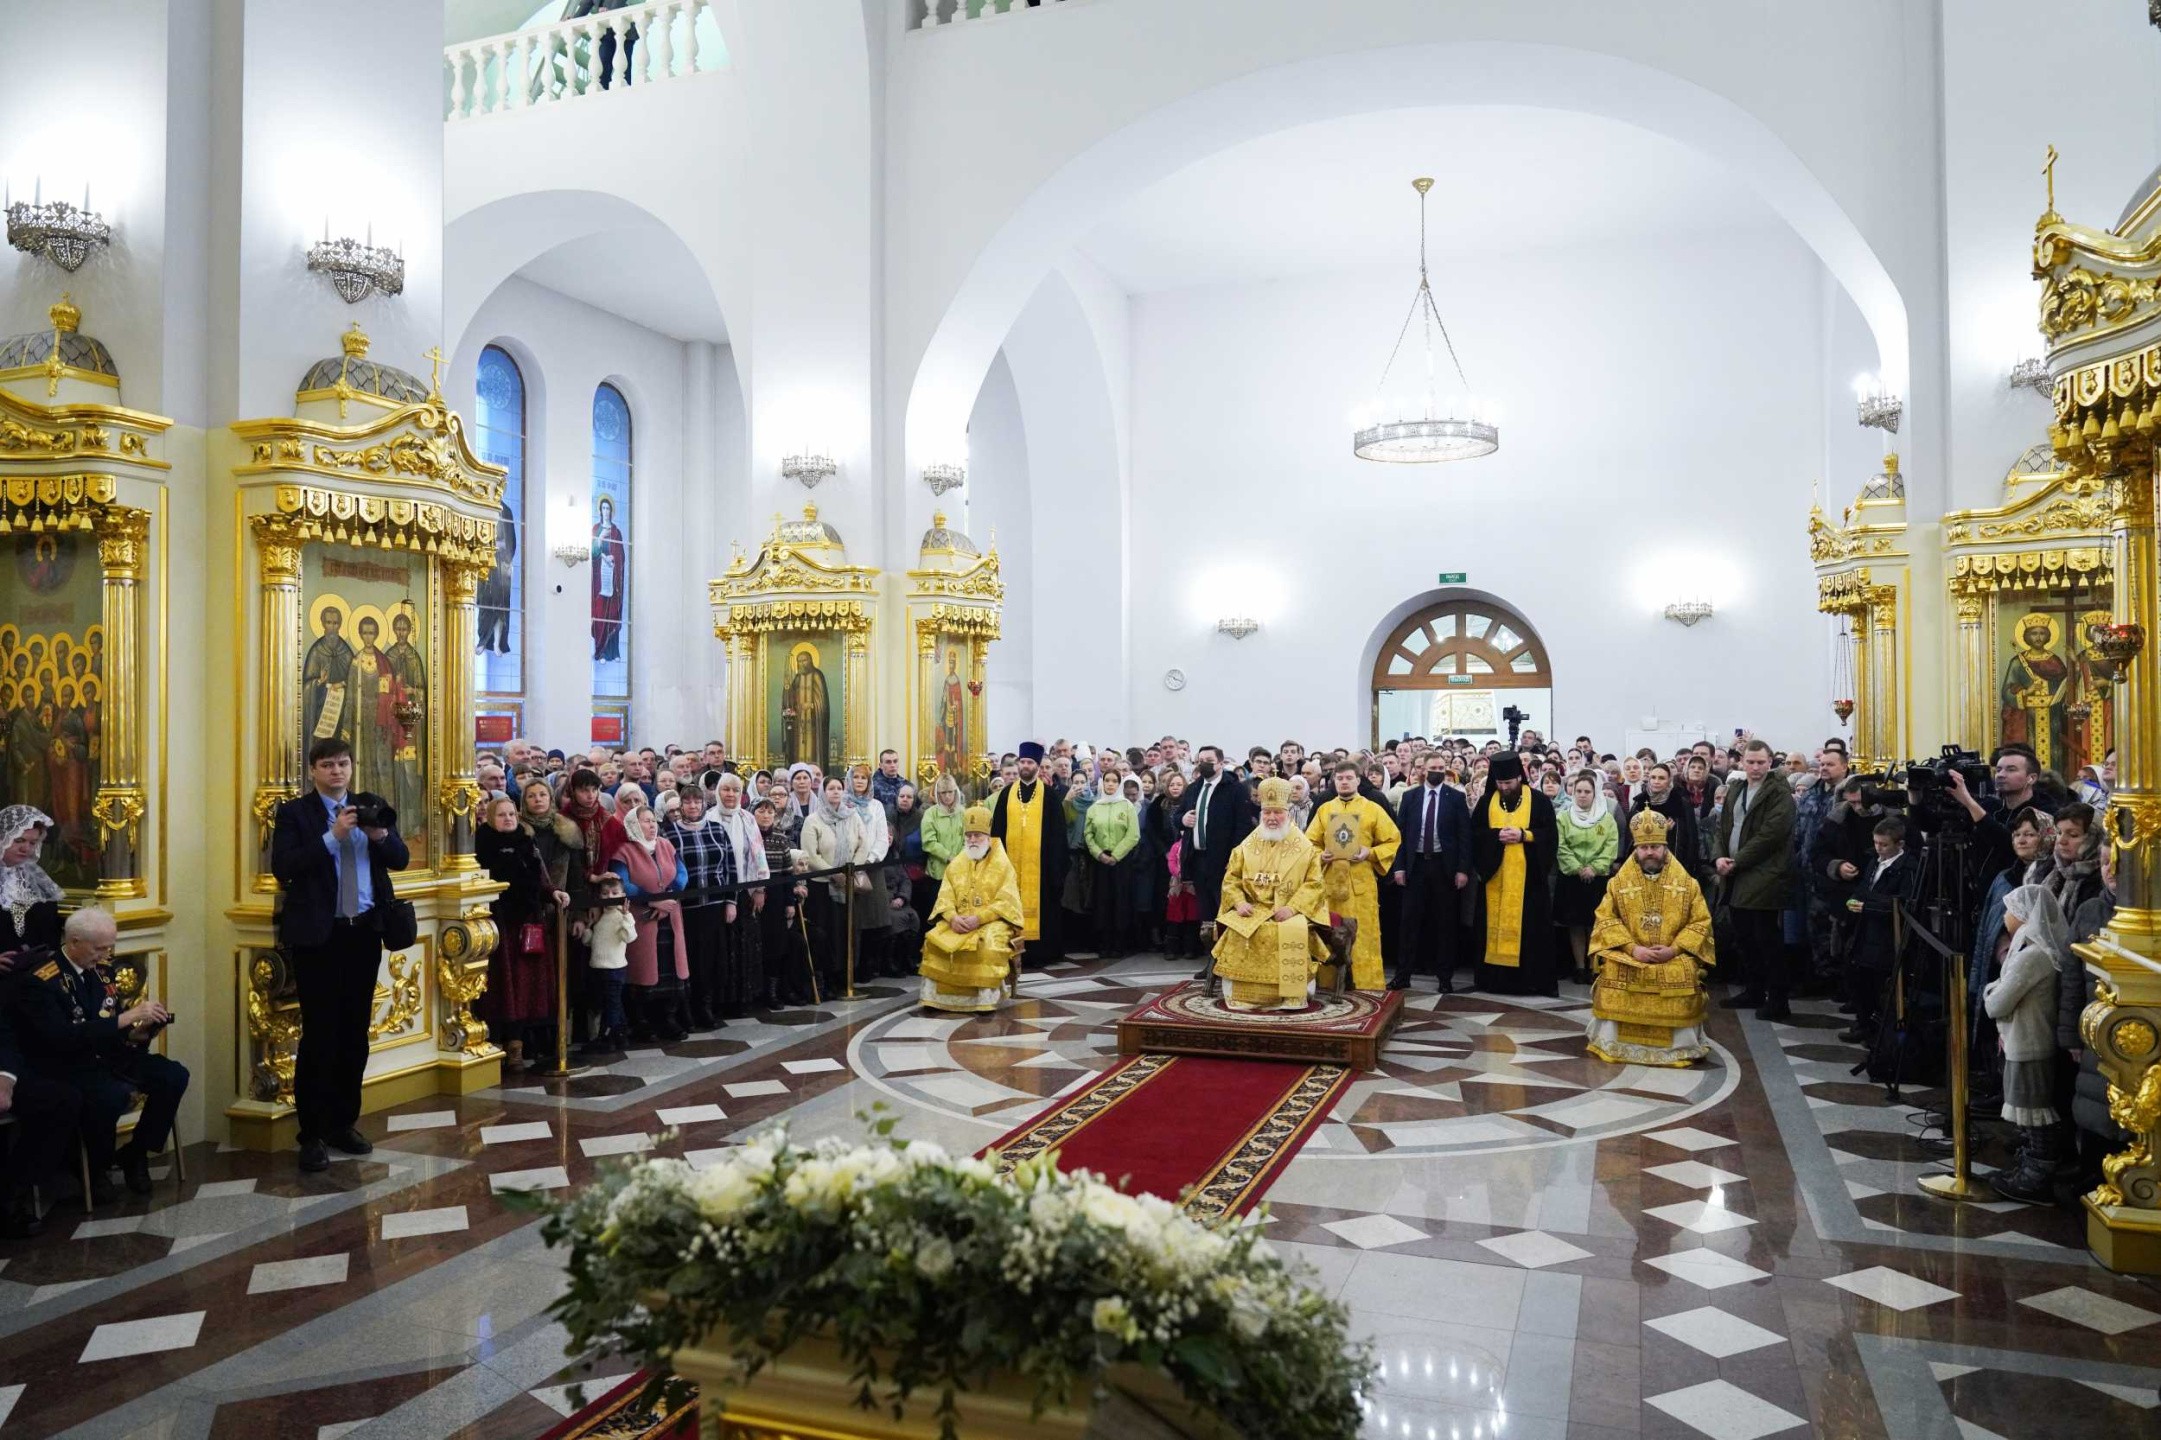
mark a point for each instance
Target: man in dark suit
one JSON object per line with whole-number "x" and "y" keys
{"x": 1893, "y": 879}
{"x": 1433, "y": 865}
{"x": 74, "y": 1033}
{"x": 332, "y": 853}
{"x": 1753, "y": 855}
{"x": 1217, "y": 814}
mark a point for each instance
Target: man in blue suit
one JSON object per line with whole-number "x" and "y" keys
{"x": 1433, "y": 866}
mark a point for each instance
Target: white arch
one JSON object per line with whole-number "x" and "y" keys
{"x": 1369, "y": 654}
{"x": 1175, "y": 135}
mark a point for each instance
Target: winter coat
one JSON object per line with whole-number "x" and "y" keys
{"x": 1762, "y": 855}
{"x": 2089, "y": 1099}
{"x": 2022, "y": 1000}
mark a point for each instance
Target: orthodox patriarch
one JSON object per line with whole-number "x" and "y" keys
{"x": 1514, "y": 842}
{"x": 969, "y": 950}
{"x": 1028, "y": 817}
{"x": 1358, "y": 844}
{"x": 1650, "y": 945}
{"x": 1267, "y": 936}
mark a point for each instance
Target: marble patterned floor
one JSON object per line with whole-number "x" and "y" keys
{"x": 1540, "y": 1244}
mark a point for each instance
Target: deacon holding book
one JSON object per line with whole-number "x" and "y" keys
{"x": 1267, "y": 931}
{"x": 1358, "y": 844}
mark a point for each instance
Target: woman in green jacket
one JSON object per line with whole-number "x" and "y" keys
{"x": 941, "y": 830}
{"x": 1113, "y": 829}
{"x": 1590, "y": 845}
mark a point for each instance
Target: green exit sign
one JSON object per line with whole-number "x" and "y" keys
{"x": 1463, "y": 679}
{"x": 1453, "y": 577}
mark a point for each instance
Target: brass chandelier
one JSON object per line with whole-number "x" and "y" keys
{"x": 1461, "y": 429}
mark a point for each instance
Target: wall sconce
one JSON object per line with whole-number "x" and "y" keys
{"x": 57, "y": 230}
{"x": 573, "y": 554}
{"x": 1238, "y": 627}
{"x": 1877, "y": 406}
{"x": 810, "y": 469}
{"x": 945, "y": 476}
{"x": 357, "y": 268}
{"x": 2031, "y": 374}
{"x": 1688, "y": 612}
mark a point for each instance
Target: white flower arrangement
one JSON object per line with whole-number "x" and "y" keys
{"x": 932, "y": 1273}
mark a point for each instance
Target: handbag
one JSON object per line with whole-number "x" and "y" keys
{"x": 532, "y": 938}
{"x": 401, "y": 927}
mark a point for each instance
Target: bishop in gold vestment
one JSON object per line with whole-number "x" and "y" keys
{"x": 1267, "y": 931}
{"x": 969, "y": 950}
{"x": 1358, "y": 841}
{"x": 1650, "y": 946}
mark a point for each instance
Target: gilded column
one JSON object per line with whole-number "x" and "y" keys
{"x": 1883, "y": 666}
{"x": 277, "y": 725}
{"x": 1973, "y": 667}
{"x": 460, "y": 790}
{"x": 123, "y": 536}
{"x": 857, "y": 723}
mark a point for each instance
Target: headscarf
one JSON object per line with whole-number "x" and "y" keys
{"x": 2062, "y": 880}
{"x": 27, "y": 884}
{"x": 634, "y": 832}
{"x": 864, "y": 801}
{"x": 2041, "y": 919}
{"x": 1582, "y": 818}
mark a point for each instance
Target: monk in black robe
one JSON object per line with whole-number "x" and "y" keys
{"x": 1515, "y": 845}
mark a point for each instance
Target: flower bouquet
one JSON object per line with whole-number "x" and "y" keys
{"x": 925, "y": 1279}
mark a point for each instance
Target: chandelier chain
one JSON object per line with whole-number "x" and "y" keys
{"x": 1430, "y": 320}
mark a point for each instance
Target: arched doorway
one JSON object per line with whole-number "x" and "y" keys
{"x": 1455, "y": 667}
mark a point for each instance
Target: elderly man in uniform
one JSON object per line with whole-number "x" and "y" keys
{"x": 1267, "y": 930}
{"x": 1650, "y": 945}
{"x": 969, "y": 950}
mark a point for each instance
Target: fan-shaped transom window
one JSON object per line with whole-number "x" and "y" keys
{"x": 1466, "y": 638}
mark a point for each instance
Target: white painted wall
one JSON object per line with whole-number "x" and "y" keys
{"x": 566, "y": 350}
{"x": 1659, "y": 445}
{"x": 999, "y": 500}
{"x": 1998, "y": 124}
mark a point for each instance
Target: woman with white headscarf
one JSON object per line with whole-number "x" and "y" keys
{"x": 2022, "y": 1002}
{"x": 29, "y": 898}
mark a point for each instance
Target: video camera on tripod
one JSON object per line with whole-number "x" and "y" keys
{"x": 1921, "y": 790}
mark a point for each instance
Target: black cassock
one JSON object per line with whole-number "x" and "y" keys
{"x": 1051, "y": 868}
{"x": 1533, "y": 974}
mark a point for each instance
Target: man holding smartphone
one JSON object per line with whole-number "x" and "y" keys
{"x": 332, "y": 853}
{"x": 72, "y": 1029}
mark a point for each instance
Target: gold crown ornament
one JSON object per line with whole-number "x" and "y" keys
{"x": 1275, "y": 794}
{"x": 1648, "y": 827}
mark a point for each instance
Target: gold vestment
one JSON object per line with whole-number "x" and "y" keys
{"x": 1353, "y": 887}
{"x": 1263, "y": 961}
{"x": 1650, "y": 1013}
{"x": 968, "y": 972}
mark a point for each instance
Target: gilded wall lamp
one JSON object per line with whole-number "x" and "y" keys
{"x": 64, "y": 234}
{"x": 357, "y": 268}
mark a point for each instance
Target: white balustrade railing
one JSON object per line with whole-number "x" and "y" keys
{"x": 930, "y": 14}
{"x": 611, "y": 51}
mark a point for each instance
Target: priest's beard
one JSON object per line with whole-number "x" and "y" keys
{"x": 1275, "y": 830}
{"x": 1652, "y": 868}
{"x": 977, "y": 849}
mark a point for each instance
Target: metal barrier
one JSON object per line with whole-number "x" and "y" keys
{"x": 1959, "y": 1184}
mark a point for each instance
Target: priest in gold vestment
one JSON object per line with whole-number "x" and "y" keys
{"x": 1268, "y": 929}
{"x": 969, "y": 948}
{"x": 1358, "y": 841}
{"x": 1650, "y": 946}
{"x": 1028, "y": 819}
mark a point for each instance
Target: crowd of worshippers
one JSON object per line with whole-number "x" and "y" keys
{"x": 75, "y": 1058}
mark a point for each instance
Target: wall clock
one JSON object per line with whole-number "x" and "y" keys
{"x": 1174, "y": 679}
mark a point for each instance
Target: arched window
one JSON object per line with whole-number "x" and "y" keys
{"x": 1468, "y": 650}
{"x": 499, "y": 388}
{"x": 611, "y": 568}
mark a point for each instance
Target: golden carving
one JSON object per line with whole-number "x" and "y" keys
{"x": 123, "y": 542}
{"x": 745, "y": 618}
{"x": 2128, "y": 1176}
{"x": 118, "y": 809}
{"x": 38, "y": 503}
{"x": 275, "y": 1028}
{"x": 1850, "y": 591}
{"x": 17, "y": 437}
{"x": 2079, "y": 298}
{"x": 400, "y": 999}
{"x": 459, "y": 797}
{"x": 422, "y": 444}
{"x": 2133, "y": 819}
{"x": 2032, "y": 570}
{"x": 461, "y": 977}
{"x": 372, "y": 521}
{"x": 2133, "y": 1039}
{"x": 265, "y": 810}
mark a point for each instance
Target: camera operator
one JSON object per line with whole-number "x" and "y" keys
{"x": 2019, "y": 784}
{"x": 73, "y": 1031}
{"x": 332, "y": 854}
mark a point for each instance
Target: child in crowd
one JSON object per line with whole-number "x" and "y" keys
{"x": 2022, "y": 1002}
{"x": 610, "y": 932}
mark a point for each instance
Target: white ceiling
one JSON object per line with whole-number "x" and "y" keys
{"x": 1337, "y": 195}
{"x": 647, "y": 277}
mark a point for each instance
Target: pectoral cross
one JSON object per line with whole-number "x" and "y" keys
{"x": 434, "y": 357}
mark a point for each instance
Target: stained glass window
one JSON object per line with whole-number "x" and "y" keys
{"x": 612, "y": 545}
{"x": 499, "y": 389}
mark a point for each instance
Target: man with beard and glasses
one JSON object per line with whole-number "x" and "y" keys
{"x": 1515, "y": 844}
{"x": 1028, "y": 819}
{"x": 1650, "y": 945}
{"x": 969, "y": 950}
{"x": 1272, "y": 912}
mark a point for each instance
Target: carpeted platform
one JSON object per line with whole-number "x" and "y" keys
{"x": 623, "y": 1413}
{"x": 1347, "y": 1029}
{"x": 1167, "y": 1124}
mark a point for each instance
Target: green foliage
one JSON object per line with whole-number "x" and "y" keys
{"x": 932, "y": 1274}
